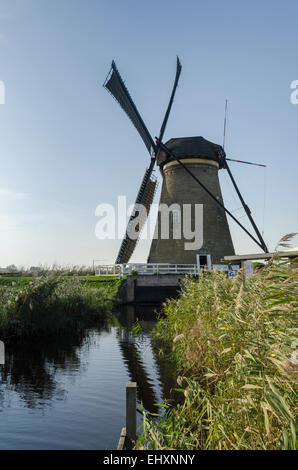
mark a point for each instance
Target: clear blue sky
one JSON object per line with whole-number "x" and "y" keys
{"x": 66, "y": 146}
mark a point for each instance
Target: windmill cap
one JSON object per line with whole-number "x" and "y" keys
{"x": 191, "y": 147}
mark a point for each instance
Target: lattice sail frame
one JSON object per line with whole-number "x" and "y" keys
{"x": 148, "y": 189}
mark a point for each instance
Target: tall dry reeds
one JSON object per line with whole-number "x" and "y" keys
{"x": 232, "y": 343}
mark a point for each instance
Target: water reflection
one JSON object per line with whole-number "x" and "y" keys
{"x": 132, "y": 347}
{"x": 69, "y": 392}
{"x": 30, "y": 368}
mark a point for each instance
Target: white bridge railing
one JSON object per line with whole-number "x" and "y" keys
{"x": 146, "y": 268}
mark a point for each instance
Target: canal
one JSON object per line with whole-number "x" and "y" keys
{"x": 69, "y": 392}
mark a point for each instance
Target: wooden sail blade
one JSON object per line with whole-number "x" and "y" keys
{"x": 115, "y": 85}
{"x": 163, "y": 127}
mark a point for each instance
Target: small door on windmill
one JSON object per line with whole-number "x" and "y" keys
{"x": 204, "y": 261}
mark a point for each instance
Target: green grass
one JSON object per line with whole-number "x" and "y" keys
{"x": 99, "y": 281}
{"x": 16, "y": 282}
{"x": 231, "y": 343}
{"x": 91, "y": 281}
{"x": 53, "y": 303}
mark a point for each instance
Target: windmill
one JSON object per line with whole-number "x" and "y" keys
{"x": 189, "y": 167}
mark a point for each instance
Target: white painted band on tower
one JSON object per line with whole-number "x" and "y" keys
{"x": 201, "y": 161}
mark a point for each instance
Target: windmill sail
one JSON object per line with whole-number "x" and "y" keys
{"x": 118, "y": 90}
{"x": 145, "y": 197}
{"x": 163, "y": 127}
{"x": 115, "y": 85}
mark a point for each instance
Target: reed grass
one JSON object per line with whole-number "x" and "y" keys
{"x": 52, "y": 304}
{"x": 232, "y": 345}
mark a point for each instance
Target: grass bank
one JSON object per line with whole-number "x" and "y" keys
{"x": 232, "y": 346}
{"x": 53, "y": 304}
{"x": 18, "y": 282}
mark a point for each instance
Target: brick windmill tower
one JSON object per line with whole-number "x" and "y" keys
{"x": 189, "y": 168}
{"x": 179, "y": 190}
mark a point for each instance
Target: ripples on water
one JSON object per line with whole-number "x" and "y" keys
{"x": 69, "y": 392}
